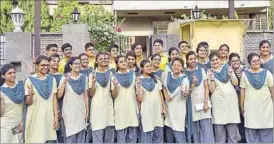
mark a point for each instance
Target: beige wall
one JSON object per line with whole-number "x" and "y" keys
{"x": 137, "y": 27}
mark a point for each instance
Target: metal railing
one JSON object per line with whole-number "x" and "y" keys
{"x": 259, "y": 24}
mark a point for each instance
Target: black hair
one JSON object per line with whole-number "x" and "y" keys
{"x": 233, "y": 55}
{"x": 158, "y": 41}
{"x": 135, "y": 45}
{"x": 225, "y": 46}
{"x": 154, "y": 55}
{"x": 190, "y": 53}
{"x": 88, "y": 45}
{"x": 51, "y": 57}
{"x": 49, "y": 46}
{"x": 117, "y": 60}
{"x": 82, "y": 54}
{"x": 263, "y": 42}
{"x": 202, "y": 44}
{"x": 170, "y": 51}
{"x": 142, "y": 64}
{"x": 211, "y": 55}
{"x": 71, "y": 60}
{"x": 65, "y": 45}
{"x": 40, "y": 58}
{"x": 132, "y": 54}
{"x": 96, "y": 57}
{"x": 112, "y": 46}
{"x": 250, "y": 56}
{"x": 180, "y": 60}
{"x": 181, "y": 42}
{"x": 4, "y": 69}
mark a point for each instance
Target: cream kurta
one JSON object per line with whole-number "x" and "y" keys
{"x": 11, "y": 117}
{"x": 166, "y": 70}
{"x": 40, "y": 116}
{"x": 125, "y": 107}
{"x": 102, "y": 112}
{"x": 74, "y": 109}
{"x": 176, "y": 108}
{"x": 197, "y": 97}
{"x": 258, "y": 105}
{"x": 151, "y": 108}
{"x": 225, "y": 105}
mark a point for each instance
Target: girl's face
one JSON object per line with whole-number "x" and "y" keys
{"x": 10, "y": 75}
{"x": 158, "y": 48}
{"x": 101, "y": 60}
{"x": 223, "y": 51}
{"x": 84, "y": 61}
{"x": 202, "y": 52}
{"x": 122, "y": 64}
{"x": 147, "y": 68}
{"x": 43, "y": 67}
{"x": 215, "y": 62}
{"x": 191, "y": 60}
{"x": 54, "y": 63}
{"x": 76, "y": 66}
{"x": 156, "y": 61}
{"x": 138, "y": 50}
{"x": 255, "y": 62}
{"x": 265, "y": 49}
{"x": 184, "y": 48}
{"x": 177, "y": 67}
{"x": 173, "y": 55}
{"x": 235, "y": 62}
{"x": 131, "y": 61}
{"x": 114, "y": 52}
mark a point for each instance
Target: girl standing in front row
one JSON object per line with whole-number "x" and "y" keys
{"x": 256, "y": 102}
{"x": 176, "y": 93}
{"x": 11, "y": 104}
{"x": 131, "y": 63}
{"x": 152, "y": 105}
{"x": 125, "y": 104}
{"x": 201, "y": 112}
{"x": 225, "y": 106}
{"x": 102, "y": 113}
{"x": 42, "y": 111}
{"x": 73, "y": 87}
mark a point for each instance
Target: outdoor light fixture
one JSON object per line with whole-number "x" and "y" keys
{"x": 75, "y": 15}
{"x": 196, "y": 12}
{"x": 17, "y": 16}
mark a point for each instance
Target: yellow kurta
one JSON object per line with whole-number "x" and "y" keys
{"x": 62, "y": 64}
{"x": 138, "y": 60}
{"x": 11, "y": 117}
{"x": 164, "y": 61}
{"x": 102, "y": 112}
{"x": 176, "y": 108}
{"x": 198, "y": 97}
{"x": 74, "y": 109}
{"x": 125, "y": 107}
{"x": 112, "y": 64}
{"x": 258, "y": 105}
{"x": 151, "y": 108}
{"x": 40, "y": 116}
{"x": 225, "y": 105}
{"x": 91, "y": 62}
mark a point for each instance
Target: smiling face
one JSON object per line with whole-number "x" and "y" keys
{"x": 203, "y": 52}
{"x": 10, "y": 75}
{"x": 43, "y": 67}
{"x": 147, "y": 68}
{"x": 265, "y": 49}
{"x": 174, "y": 54}
{"x": 68, "y": 52}
{"x": 122, "y": 64}
{"x": 184, "y": 48}
{"x": 84, "y": 61}
{"x": 235, "y": 62}
{"x": 156, "y": 61}
{"x": 138, "y": 50}
{"x": 176, "y": 67}
{"x": 54, "y": 63}
{"x": 223, "y": 51}
{"x": 255, "y": 62}
{"x": 101, "y": 60}
{"x": 131, "y": 61}
{"x": 191, "y": 60}
{"x": 215, "y": 62}
{"x": 158, "y": 48}
{"x": 76, "y": 66}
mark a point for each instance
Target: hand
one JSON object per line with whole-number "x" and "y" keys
{"x": 230, "y": 70}
{"x": 56, "y": 122}
{"x": 195, "y": 79}
{"x": 93, "y": 79}
{"x": 115, "y": 83}
{"x": 242, "y": 110}
{"x": 59, "y": 115}
{"x": 138, "y": 81}
{"x": 66, "y": 79}
{"x": 164, "y": 111}
{"x": 86, "y": 117}
{"x": 185, "y": 91}
{"x": 30, "y": 90}
{"x": 210, "y": 74}
{"x": 167, "y": 98}
{"x": 206, "y": 107}
{"x": 20, "y": 127}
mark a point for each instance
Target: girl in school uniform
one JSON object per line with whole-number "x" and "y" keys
{"x": 152, "y": 105}
{"x": 125, "y": 104}
{"x": 85, "y": 68}
{"x": 54, "y": 60}
{"x": 266, "y": 56}
{"x": 155, "y": 67}
{"x": 102, "y": 113}
{"x": 42, "y": 105}
{"x": 131, "y": 63}
{"x": 225, "y": 106}
{"x": 201, "y": 110}
{"x": 176, "y": 93}
{"x": 11, "y": 104}
{"x": 173, "y": 52}
{"x": 202, "y": 56}
{"x": 75, "y": 111}
{"x": 224, "y": 53}
{"x": 256, "y": 102}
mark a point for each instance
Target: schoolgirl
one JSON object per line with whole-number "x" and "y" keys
{"x": 202, "y": 56}
{"x": 85, "y": 68}
{"x": 173, "y": 53}
{"x": 266, "y": 56}
{"x": 224, "y": 53}
{"x": 131, "y": 63}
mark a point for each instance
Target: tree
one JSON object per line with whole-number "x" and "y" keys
{"x": 5, "y": 20}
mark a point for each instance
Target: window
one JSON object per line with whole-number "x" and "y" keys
{"x": 160, "y": 27}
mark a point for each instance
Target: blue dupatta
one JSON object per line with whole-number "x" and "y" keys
{"x": 257, "y": 80}
{"x": 125, "y": 79}
{"x": 205, "y": 66}
{"x": 16, "y": 94}
{"x": 222, "y": 76}
{"x": 78, "y": 85}
{"x": 158, "y": 73}
{"x": 148, "y": 84}
{"x": 57, "y": 78}
{"x": 86, "y": 71}
{"x": 173, "y": 83}
{"x": 43, "y": 87}
{"x": 198, "y": 73}
{"x": 268, "y": 65}
{"x": 103, "y": 78}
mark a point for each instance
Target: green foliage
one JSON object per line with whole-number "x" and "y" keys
{"x": 5, "y": 20}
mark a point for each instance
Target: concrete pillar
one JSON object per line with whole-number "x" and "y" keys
{"x": 77, "y": 35}
{"x": 19, "y": 52}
